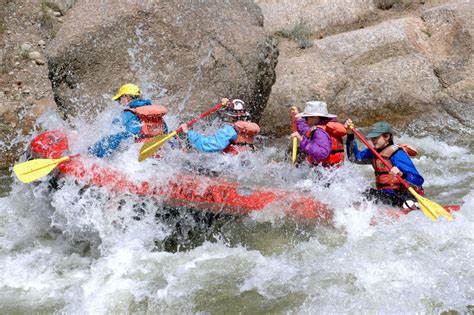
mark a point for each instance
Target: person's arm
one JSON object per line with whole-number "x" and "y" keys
{"x": 301, "y": 126}
{"x": 402, "y": 161}
{"x": 319, "y": 147}
{"x": 354, "y": 155}
{"x": 214, "y": 143}
{"x": 108, "y": 144}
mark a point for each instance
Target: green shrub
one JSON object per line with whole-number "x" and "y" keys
{"x": 300, "y": 33}
{"x": 388, "y": 4}
{"x": 46, "y": 20}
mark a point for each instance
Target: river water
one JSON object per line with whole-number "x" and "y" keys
{"x": 79, "y": 250}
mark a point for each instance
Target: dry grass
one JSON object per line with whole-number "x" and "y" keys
{"x": 300, "y": 33}
{"x": 46, "y": 19}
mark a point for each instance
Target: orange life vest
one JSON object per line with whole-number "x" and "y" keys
{"x": 246, "y": 132}
{"x": 151, "y": 118}
{"x": 383, "y": 178}
{"x": 409, "y": 149}
{"x": 335, "y": 131}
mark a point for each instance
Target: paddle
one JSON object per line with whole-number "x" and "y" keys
{"x": 430, "y": 208}
{"x": 150, "y": 147}
{"x": 35, "y": 169}
{"x": 295, "y": 140}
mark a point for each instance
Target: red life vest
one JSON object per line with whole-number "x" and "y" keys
{"x": 151, "y": 118}
{"x": 246, "y": 132}
{"x": 409, "y": 149}
{"x": 335, "y": 131}
{"x": 383, "y": 178}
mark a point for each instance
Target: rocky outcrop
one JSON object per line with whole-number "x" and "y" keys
{"x": 450, "y": 41}
{"x": 318, "y": 16}
{"x": 25, "y": 90}
{"x": 184, "y": 54}
{"x": 409, "y": 62}
{"x": 415, "y": 72}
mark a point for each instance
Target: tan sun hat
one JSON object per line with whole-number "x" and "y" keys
{"x": 316, "y": 109}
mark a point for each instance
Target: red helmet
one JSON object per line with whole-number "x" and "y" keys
{"x": 236, "y": 108}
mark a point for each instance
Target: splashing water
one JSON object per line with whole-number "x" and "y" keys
{"x": 83, "y": 249}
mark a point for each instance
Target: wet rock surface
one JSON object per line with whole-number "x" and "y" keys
{"x": 25, "y": 28}
{"x": 185, "y": 55}
{"x": 406, "y": 62}
{"x": 402, "y": 70}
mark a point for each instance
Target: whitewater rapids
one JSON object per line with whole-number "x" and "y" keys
{"x": 78, "y": 250}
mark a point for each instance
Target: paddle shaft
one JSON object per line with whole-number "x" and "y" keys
{"x": 295, "y": 140}
{"x": 293, "y": 120}
{"x": 193, "y": 121}
{"x": 384, "y": 161}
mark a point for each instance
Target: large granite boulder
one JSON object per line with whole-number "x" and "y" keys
{"x": 318, "y": 16}
{"x": 25, "y": 90}
{"x": 185, "y": 55}
{"x": 415, "y": 72}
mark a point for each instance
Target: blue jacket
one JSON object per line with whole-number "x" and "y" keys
{"x": 214, "y": 143}
{"x": 130, "y": 125}
{"x": 399, "y": 159}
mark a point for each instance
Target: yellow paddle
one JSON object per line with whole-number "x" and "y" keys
{"x": 150, "y": 147}
{"x": 35, "y": 169}
{"x": 295, "y": 140}
{"x": 429, "y": 208}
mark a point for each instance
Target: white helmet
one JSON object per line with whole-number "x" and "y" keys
{"x": 236, "y": 108}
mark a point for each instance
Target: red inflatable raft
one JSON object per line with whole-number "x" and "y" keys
{"x": 190, "y": 191}
{"x": 196, "y": 191}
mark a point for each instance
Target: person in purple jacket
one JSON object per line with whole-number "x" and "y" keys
{"x": 319, "y": 135}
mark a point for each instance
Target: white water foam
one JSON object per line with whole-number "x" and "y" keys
{"x": 79, "y": 249}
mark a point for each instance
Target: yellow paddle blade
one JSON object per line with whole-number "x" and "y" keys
{"x": 295, "y": 150}
{"x": 150, "y": 147}
{"x": 430, "y": 208}
{"x": 35, "y": 169}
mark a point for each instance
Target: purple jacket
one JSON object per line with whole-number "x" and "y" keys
{"x": 319, "y": 147}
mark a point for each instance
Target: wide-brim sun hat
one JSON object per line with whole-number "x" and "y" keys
{"x": 379, "y": 128}
{"x": 315, "y": 109}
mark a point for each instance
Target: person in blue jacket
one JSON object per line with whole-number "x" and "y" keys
{"x": 235, "y": 136}
{"x": 140, "y": 120}
{"x": 389, "y": 189}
